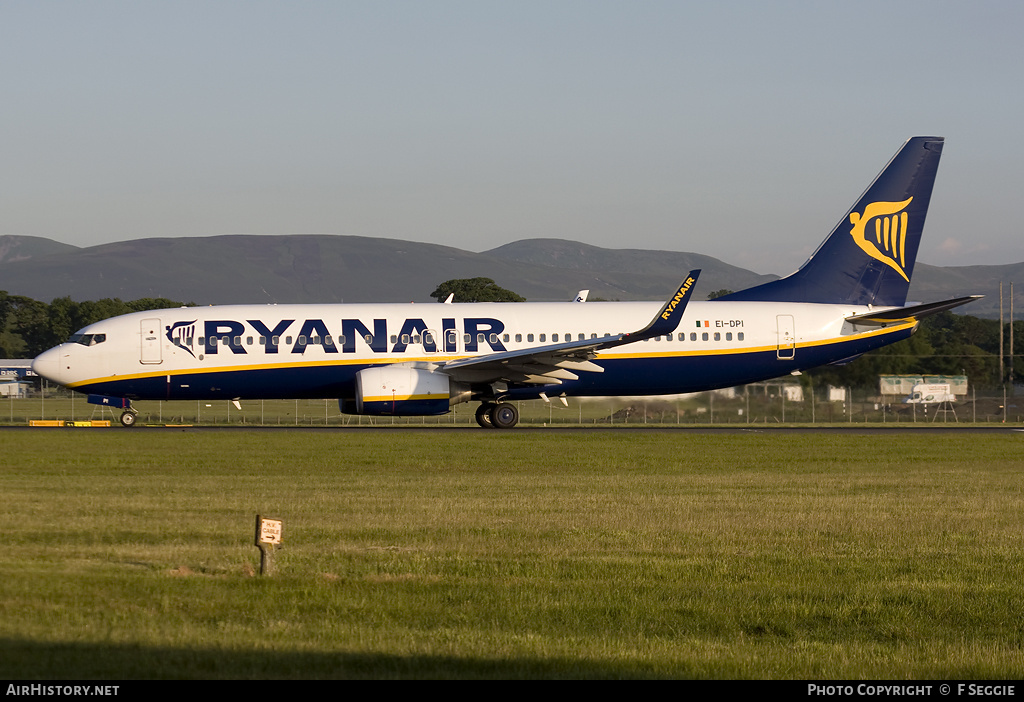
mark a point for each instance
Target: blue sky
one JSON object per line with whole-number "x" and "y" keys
{"x": 742, "y": 130}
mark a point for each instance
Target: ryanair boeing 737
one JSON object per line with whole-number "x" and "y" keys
{"x": 402, "y": 359}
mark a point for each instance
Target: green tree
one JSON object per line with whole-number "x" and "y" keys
{"x": 719, "y": 293}
{"x": 474, "y": 290}
{"x": 29, "y": 327}
{"x": 11, "y": 344}
{"x": 30, "y": 320}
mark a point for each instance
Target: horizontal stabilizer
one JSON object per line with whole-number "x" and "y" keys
{"x": 906, "y": 314}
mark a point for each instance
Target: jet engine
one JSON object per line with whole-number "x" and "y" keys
{"x": 403, "y": 390}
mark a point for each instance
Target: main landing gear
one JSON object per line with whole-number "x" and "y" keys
{"x": 503, "y": 415}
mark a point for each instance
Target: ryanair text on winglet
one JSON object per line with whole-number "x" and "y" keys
{"x": 674, "y": 302}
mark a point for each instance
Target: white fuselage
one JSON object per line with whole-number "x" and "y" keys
{"x": 286, "y": 351}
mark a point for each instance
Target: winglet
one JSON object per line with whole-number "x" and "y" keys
{"x": 668, "y": 318}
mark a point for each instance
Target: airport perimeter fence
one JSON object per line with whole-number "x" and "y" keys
{"x": 860, "y": 406}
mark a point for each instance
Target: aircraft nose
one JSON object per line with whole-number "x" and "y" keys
{"x": 48, "y": 365}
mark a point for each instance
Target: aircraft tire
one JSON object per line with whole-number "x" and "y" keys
{"x": 483, "y": 415}
{"x": 128, "y": 419}
{"x": 504, "y": 416}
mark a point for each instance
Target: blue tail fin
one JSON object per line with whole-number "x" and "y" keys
{"x": 869, "y": 257}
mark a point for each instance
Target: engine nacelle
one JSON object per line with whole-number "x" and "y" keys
{"x": 401, "y": 390}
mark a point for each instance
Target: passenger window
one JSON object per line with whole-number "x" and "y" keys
{"x": 479, "y": 338}
{"x": 263, "y": 341}
{"x": 519, "y": 338}
{"x": 405, "y": 338}
{"x": 288, "y": 340}
{"x": 682, "y": 336}
{"x": 543, "y": 337}
{"x": 718, "y": 336}
{"x": 327, "y": 341}
{"x": 275, "y": 341}
{"x": 202, "y": 341}
{"x": 739, "y": 336}
{"x": 494, "y": 338}
{"x": 394, "y": 338}
{"x": 248, "y": 340}
{"x": 554, "y": 337}
{"x": 704, "y": 336}
{"x": 505, "y": 337}
{"x": 693, "y": 336}
{"x": 368, "y": 339}
{"x": 529, "y": 338}
{"x": 302, "y": 339}
{"x": 728, "y": 336}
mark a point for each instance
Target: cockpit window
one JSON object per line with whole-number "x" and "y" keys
{"x": 87, "y": 339}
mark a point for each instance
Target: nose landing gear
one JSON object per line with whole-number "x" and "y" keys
{"x": 129, "y": 417}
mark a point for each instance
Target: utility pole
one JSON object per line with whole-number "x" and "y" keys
{"x": 1001, "y": 376}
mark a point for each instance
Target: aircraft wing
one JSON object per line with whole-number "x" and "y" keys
{"x": 906, "y": 314}
{"x": 554, "y": 363}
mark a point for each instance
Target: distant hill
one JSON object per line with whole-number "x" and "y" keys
{"x": 627, "y": 274}
{"x": 322, "y": 268}
{"x": 22, "y": 248}
{"x": 937, "y": 283}
{"x": 299, "y": 268}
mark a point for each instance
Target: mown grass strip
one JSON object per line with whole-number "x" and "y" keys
{"x": 520, "y": 554}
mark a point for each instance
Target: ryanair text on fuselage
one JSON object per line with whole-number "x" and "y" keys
{"x": 227, "y": 334}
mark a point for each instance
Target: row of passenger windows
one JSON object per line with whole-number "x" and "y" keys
{"x": 428, "y": 339}
{"x": 704, "y": 336}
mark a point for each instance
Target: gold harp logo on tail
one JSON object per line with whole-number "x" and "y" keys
{"x": 881, "y": 231}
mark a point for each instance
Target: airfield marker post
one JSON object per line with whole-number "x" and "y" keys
{"x": 268, "y": 539}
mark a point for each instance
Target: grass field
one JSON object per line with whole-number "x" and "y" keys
{"x": 521, "y": 554}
